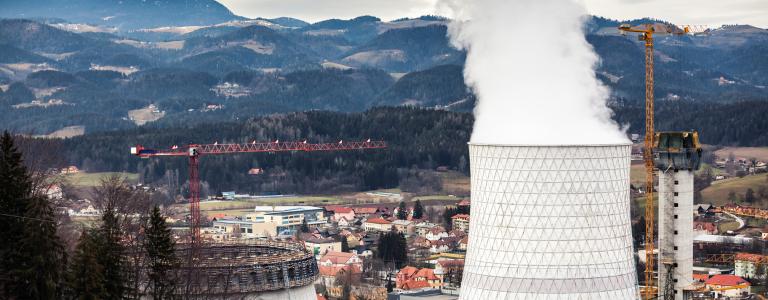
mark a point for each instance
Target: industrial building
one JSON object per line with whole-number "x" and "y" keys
{"x": 550, "y": 222}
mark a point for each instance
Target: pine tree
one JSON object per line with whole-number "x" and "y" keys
{"x": 15, "y": 187}
{"x": 344, "y": 244}
{"x": 43, "y": 255}
{"x": 402, "y": 211}
{"x": 418, "y": 210}
{"x": 304, "y": 226}
{"x": 85, "y": 277}
{"x": 161, "y": 256}
{"x": 110, "y": 254}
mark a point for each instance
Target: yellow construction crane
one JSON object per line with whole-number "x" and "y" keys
{"x": 646, "y": 32}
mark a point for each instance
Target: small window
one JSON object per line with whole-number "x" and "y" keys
{"x": 677, "y": 182}
{"x": 675, "y": 216}
{"x": 675, "y": 194}
{"x": 674, "y": 280}
{"x": 675, "y": 247}
{"x": 675, "y": 231}
{"x": 676, "y": 204}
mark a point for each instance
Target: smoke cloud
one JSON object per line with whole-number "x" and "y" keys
{"x": 533, "y": 72}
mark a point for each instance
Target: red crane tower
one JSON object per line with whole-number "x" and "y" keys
{"x": 194, "y": 151}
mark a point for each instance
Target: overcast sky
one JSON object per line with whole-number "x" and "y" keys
{"x": 684, "y": 12}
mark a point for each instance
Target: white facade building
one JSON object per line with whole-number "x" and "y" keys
{"x": 676, "y": 231}
{"x": 550, "y": 222}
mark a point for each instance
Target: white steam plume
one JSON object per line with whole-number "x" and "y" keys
{"x": 533, "y": 72}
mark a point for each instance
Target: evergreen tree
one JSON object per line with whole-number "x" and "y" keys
{"x": 393, "y": 248}
{"x": 15, "y": 187}
{"x": 110, "y": 253}
{"x": 85, "y": 277}
{"x": 344, "y": 244}
{"x": 749, "y": 197}
{"x": 304, "y": 226}
{"x": 161, "y": 256}
{"x": 43, "y": 255}
{"x": 418, "y": 210}
{"x": 402, "y": 211}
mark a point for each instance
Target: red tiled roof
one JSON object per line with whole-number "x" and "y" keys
{"x": 338, "y": 209}
{"x": 446, "y": 263}
{"x": 437, "y": 230}
{"x": 700, "y": 277}
{"x": 464, "y": 240}
{"x": 461, "y": 216}
{"x": 726, "y": 280}
{"x": 428, "y": 274}
{"x": 321, "y": 297}
{"x": 378, "y": 221}
{"x": 415, "y": 284}
{"x": 333, "y": 270}
{"x": 337, "y": 257}
{"x": 366, "y": 210}
{"x": 749, "y": 257}
{"x": 408, "y": 271}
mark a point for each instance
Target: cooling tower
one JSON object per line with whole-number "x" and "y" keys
{"x": 550, "y": 222}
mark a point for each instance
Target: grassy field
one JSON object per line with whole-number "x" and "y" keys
{"x": 83, "y": 179}
{"x": 455, "y": 183}
{"x": 637, "y": 174}
{"x": 761, "y": 153}
{"x": 436, "y": 197}
{"x": 726, "y": 226}
{"x": 718, "y": 192}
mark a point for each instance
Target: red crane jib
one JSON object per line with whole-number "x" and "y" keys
{"x": 194, "y": 151}
{"x": 208, "y": 149}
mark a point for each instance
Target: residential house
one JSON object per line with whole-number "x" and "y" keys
{"x": 436, "y": 233}
{"x": 366, "y": 212}
{"x": 320, "y": 246}
{"x": 404, "y": 226}
{"x": 343, "y": 222}
{"x": 377, "y": 224}
{"x": 421, "y": 242}
{"x": 460, "y": 222}
{"x": 328, "y": 275}
{"x": 463, "y": 243}
{"x": 746, "y": 265}
{"x": 439, "y": 246}
{"x": 423, "y": 228}
{"x": 737, "y": 284}
{"x": 701, "y": 227}
{"x": 413, "y": 278}
{"x": 339, "y": 212}
{"x": 338, "y": 259}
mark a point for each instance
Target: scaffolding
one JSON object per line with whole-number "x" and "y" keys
{"x": 237, "y": 269}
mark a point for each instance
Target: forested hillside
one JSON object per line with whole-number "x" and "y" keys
{"x": 53, "y": 76}
{"x": 417, "y": 138}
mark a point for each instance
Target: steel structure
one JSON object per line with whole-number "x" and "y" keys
{"x": 195, "y": 151}
{"x": 647, "y": 32}
{"x": 550, "y": 222}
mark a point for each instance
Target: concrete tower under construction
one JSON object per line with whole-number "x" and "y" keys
{"x": 676, "y": 155}
{"x": 550, "y": 222}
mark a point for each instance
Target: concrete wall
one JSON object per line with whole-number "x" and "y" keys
{"x": 676, "y": 229}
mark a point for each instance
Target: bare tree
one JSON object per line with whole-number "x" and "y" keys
{"x": 131, "y": 206}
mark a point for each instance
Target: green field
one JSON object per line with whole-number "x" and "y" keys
{"x": 717, "y": 193}
{"x": 83, "y": 179}
{"x": 436, "y": 197}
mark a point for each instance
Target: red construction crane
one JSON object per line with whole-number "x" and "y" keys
{"x": 194, "y": 151}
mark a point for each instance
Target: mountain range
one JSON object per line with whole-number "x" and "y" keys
{"x": 106, "y": 65}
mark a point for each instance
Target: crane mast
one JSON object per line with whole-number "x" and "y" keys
{"x": 195, "y": 151}
{"x": 646, "y": 35}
